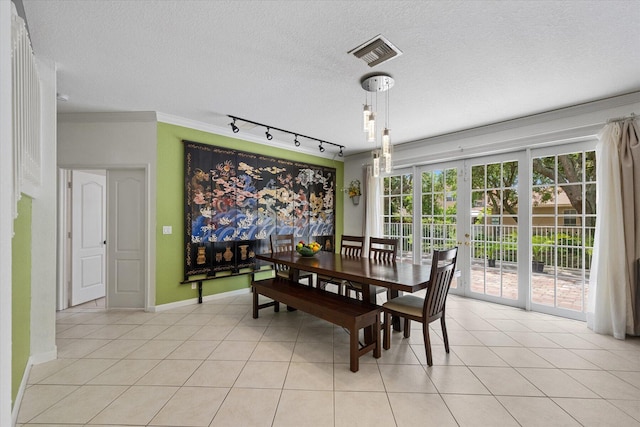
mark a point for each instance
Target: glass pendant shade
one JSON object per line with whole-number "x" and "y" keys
{"x": 371, "y": 136}
{"x": 366, "y": 114}
{"x": 386, "y": 142}
{"x": 386, "y": 162}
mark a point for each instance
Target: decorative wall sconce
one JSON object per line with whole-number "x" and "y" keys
{"x": 354, "y": 191}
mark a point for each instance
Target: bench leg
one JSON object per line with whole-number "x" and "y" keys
{"x": 354, "y": 348}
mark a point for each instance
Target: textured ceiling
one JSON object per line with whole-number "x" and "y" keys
{"x": 285, "y": 63}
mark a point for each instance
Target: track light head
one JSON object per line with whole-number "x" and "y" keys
{"x": 295, "y": 141}
{"x": 321, "y": 148}
{"x": 234, "y": 128}
{"x": 341, "y": 154}
{"x": 268, "y": 135}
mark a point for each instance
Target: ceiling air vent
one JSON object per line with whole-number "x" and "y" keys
{"x": 376, "y": 51}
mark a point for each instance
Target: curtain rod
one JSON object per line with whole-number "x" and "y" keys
{"x": 632, "y": 116}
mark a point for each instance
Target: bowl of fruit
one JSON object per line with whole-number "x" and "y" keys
{"x": 307, "y": 249}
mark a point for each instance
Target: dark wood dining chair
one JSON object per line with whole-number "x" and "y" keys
{"x": 428, "y": 309}
{"x": 350, "y": 246}
{"x": 286, "y": 243}
{"x": 383, "y": 249}
{"x": 380, "y": 249}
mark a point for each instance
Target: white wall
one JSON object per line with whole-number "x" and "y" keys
{"x": 552, "y": 128}
{"x": 6, "y": 212}
{"x": 109, "y": 141}
{"x": 43, "y": 228}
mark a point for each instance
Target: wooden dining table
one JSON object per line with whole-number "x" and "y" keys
{"x": 395, "y": 276}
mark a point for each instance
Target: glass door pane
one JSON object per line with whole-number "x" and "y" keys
{"x": 397, "y": 214}
{"x": 563, "y": 227}
{"x": 439, "y": 207}
{"x": 494, "y": 229}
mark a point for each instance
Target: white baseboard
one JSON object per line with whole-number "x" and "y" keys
{"x": 48, "y": 356}
{"x": 193, "y": 301}
{"x": 21, "y": 390}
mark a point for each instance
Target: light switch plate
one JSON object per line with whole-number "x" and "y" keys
{"x": 167, "y": 229}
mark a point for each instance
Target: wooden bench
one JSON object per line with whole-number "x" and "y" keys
{"x": 347, "y": 312}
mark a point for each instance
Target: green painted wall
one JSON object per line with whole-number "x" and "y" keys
{"x": 21, "y": 294}
{"x": 170, "y": 207}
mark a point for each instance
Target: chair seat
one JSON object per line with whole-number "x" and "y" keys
{"x": 322, "y": 282}
{"x": 303, "y": 275}
{"x": 355, "y": 286}
{"x": 406, "y": 304}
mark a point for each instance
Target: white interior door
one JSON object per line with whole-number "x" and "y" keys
{"x": 126, "y": 238}
{"x": 88, "y": 236}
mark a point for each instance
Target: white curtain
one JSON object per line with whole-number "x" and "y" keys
{"x": 372, "y": 218}
{"x": 612, "y": 304}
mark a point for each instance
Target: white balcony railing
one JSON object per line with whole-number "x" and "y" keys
{"x": 567, "y": 247}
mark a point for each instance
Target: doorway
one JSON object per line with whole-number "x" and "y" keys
{"x": 103, "y": 253}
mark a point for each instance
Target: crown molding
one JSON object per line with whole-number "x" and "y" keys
{"x": 108, "y": 117}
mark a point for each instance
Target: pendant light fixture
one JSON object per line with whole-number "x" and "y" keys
{"x": 381, "y": 153}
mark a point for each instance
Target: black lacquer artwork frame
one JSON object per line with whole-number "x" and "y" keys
{"x": 234, "y": 200}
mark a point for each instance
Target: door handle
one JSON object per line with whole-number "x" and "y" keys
{"x": 105, "y": 242}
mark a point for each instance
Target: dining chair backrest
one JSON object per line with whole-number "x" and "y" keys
{"x": 443, "y": 267}
{"x": 383, "y": 249}
{"x": 352, "y": 245}
{"x": 281, "y": 243}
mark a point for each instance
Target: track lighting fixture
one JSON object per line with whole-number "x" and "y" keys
{"x": 296, "y": 135}
{"x": 234, "y": 128}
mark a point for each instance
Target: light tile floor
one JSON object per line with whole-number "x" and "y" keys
{"x": 214, "y": 365}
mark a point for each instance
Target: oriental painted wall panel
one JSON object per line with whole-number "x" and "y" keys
{"x": 235, "y": 200}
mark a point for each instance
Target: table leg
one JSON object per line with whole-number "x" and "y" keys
{"x": 396, "y": 322}
{"x": 294, "y": 275}
{"x": 367, "y": 295}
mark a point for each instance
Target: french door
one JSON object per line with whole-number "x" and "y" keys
{"x": 496, "y": 216}
{"x": 473, "y": 204}
{"x": 563, "y": 213}
{"x": 524, "y": 223}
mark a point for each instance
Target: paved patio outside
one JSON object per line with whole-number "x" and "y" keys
{"x": 564, "y": 288}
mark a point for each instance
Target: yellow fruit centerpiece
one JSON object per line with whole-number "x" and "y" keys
{"x": 307, "y": 249}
